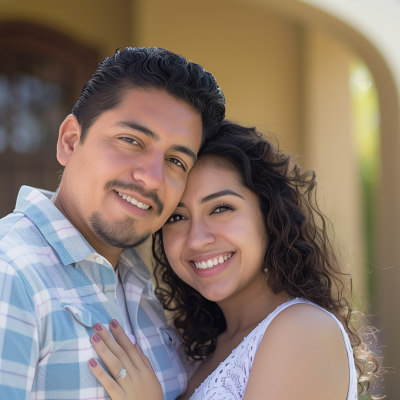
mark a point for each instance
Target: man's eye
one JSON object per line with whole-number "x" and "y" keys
{"x": 177, "y": 162}
{"x": 175, "y": 218}
{"x": 129, "y": 140}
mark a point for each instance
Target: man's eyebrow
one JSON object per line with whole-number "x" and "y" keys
{"x": 137, "y": 127}
{"x": 219, "y": 194}
{"x": 185, "y": 150}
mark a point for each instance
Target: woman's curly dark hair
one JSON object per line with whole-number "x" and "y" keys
{"x": 301, "y": 257}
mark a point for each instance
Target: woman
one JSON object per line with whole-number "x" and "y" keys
{"x": 250, "y": 274}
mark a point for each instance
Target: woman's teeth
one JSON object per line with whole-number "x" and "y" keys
{"x": 213, "y": 261}
{"x": 133, "y": 201}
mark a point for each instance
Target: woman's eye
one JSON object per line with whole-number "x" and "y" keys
{"x": 222, "y": 208}
{"x": 175, "y": 218}
{"x": 177, "y": 162}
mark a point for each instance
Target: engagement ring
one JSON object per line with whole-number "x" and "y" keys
{"x": 122, "y": 374}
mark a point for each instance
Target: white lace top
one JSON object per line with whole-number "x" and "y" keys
{"x": 229, "y": 380}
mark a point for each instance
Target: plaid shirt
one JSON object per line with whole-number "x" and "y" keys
{"x": 53, "y": 289}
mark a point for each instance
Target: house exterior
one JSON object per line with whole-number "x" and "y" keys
{"x": 287, "y": 67}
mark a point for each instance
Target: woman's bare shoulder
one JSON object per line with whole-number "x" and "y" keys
{"x": 303, "y": 316}
{"x": 302, "y": 355}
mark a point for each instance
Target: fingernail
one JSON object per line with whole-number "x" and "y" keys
{"x": 96, "y": 338}
{"x": 114, "y": 323}
{"x": 92, "y": 362}
{"x": 98, "y": 327}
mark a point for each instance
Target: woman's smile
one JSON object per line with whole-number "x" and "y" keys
{"x": 212, "y": 262}
{"x": 213, "y": 266}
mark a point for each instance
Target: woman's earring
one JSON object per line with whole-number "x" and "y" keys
{"x": 265, "y": 270}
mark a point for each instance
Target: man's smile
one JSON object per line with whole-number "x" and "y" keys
{"x": 135, "y": 202}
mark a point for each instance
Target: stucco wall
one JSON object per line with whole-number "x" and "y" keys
{"x": 329, "y": 144}
{"x": 101, "y": 24}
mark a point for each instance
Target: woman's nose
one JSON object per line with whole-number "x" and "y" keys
{"x": 200, "y": 235}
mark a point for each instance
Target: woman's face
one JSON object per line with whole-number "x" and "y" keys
{"x": 215, "y": 240}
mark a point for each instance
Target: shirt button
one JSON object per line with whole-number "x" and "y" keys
{"x": 99, "y": 260}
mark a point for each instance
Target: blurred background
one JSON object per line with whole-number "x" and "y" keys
{"x": 322, "y": 75}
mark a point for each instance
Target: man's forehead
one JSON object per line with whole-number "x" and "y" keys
{"x": 157, "y": 113}
{"x": 156, "y": 98}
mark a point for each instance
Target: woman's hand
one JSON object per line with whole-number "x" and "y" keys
{"x": 140, "y": 381}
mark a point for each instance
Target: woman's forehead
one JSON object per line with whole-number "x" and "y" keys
{"x": 211, "y": 173}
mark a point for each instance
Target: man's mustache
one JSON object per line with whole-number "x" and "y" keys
{"x": 116, "y": 184}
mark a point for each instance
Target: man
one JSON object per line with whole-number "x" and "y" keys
{"x": 69, "y": 262}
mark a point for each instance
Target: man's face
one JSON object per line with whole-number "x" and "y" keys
{"x": 122, "y": 183}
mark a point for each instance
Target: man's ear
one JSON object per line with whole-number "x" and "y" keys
{"x": 68, "y": 139}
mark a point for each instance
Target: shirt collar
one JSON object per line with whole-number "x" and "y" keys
{"x": 62, "y": 236}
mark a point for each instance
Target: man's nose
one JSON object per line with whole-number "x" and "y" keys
{"x": 150, "y": 172}
{"x": 200, "y": 235}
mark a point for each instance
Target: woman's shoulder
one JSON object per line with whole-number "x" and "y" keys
{"x": 306, "y": 326}
{"x": 300, "y": 315}
{"x": 304, "y": 315}
{"x": 309, "y": 356}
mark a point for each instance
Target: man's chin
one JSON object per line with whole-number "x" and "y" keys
{"x": 122, "y": 235}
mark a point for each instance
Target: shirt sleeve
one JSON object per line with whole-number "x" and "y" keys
{"x": 19, "y": 347}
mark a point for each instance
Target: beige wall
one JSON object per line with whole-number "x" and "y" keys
{"x": 328, "y": 142}
{"x": 254, "y": 55}
{"x": 102, "y": 24}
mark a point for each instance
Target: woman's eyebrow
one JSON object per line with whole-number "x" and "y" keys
{"x": 214, "y": 196}
{"x": 219, "y": 194}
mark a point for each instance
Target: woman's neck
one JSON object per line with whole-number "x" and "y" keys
{"x": 246, "y": 309}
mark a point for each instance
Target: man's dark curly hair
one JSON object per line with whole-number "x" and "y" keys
{"x": 301, "y": 258}
{"x": 150, "y": 68}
